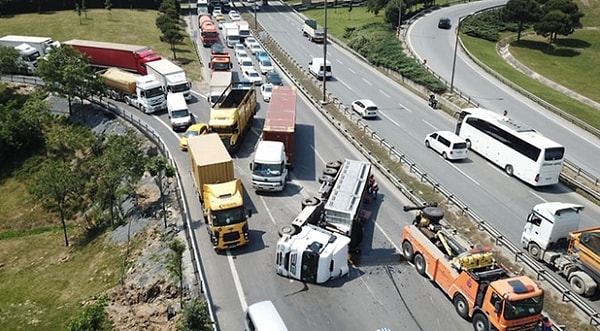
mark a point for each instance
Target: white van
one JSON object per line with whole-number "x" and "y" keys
{"x": 263, "y": 316}
{"x": 317, "y": 69}
{"x": 451, "y": 146}
{"x": 269, "y": 167}
{"x": 178, "y": 111}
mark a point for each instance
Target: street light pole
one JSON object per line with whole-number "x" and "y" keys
{"x": 255, "y": 16}
{"x": 460, "y": 20}
{"x": 325, "y": 58}
{"x": 399, "y": 18}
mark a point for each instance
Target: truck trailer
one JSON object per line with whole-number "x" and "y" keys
{"x": 123, "y": 56}
{"x": 142, "y": 92}
{"x": 481, "y": 289}
{"x": 43, "y": 45}
{"x": 551, "y": 235}
{"x": 171, "y": 76}
{"x": 219, "y": 192}
{"x": 231, "y": 115}
{"x": 316, "y": 246}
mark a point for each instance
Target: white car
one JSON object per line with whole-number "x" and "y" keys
{"x": 249, "y": 41}
{"x": 234, "y": 15}
{"x": 253, "y": 76}
{"x": 266, "y": 90}
{"x": 365, "y": 107}
{"x": 451, "y": 146}
{"x": 217, "y": 11}
{"x": 239, "y": 47}
{"x": 242, "y": 56}
{"x": 255, "y": 48}
{"x": 246, "y": 65}
{"x": 265, "y": 66}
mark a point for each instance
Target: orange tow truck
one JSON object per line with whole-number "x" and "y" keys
{"x": 481, "y": 289}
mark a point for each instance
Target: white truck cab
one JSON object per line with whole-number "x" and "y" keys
{"x": 270, "y": 166}
{"x": 178, "y": 111}
{"x": 320, "y": 68}
{"x": 549, "y": 224}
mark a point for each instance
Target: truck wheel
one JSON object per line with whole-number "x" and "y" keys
{"x": 287, "y": 230}
{"x": 330, "y": 172}
{"x": 326, "y": 179}
{"x": 480, "y": 322}
{"x": 461, "y": 306}
{"x": 420, "y": 264}
{"x": 582, "y": 287}
{"x": 535, "y": 251}
{"x": 310, "y": 202}
{"x": 408, "y": 251}
{"x": 334, "y": 165}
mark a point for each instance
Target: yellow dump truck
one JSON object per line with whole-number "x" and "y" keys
{"x": 232, "y": 113}
{"x": 219, "y": 192}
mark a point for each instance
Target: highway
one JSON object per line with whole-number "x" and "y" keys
{"x": 405, "y": 119}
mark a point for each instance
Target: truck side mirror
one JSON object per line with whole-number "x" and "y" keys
{"x": 498, "y": 306}
{"x": 249, "y": 213}
{"x": 251, "y": 166}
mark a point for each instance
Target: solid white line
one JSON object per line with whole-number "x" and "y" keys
{"x": 380, "y": 91}
{"x": 268, "y": 210}
{"x": 366, "y": 81}
{"x": 236, "y": 281}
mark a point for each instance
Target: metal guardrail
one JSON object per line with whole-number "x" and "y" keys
{"x": 397, "y": 156}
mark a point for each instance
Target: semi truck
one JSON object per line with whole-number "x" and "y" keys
{"x": 481, "y": 289}
{"x": 142, "y": 92}
{"x": 43, "y": 45}
{"x": 28, "y": 58}
{"x": 219, "y": 192}
{"x": 313, "y": 31}
{"x": 219, "y": 81}
{"x": 231, "y": 115}
{"x": 209, "y": 34}
{"x": 220, "y": 60}
{"x": 171, "y": 76}
{"x": 551, "y": 235}
{"x": 123, "y": 56}
{"x": 275, "y": 150}
{"x": 316, "y": 246}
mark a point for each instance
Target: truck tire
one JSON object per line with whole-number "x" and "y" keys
{"x": 326, "y": 179}
{"x": 334, "y": 164}
{"x": 534, "y": 251}
{"x": 408, "y": 251}
{"x": 582, "y": 284}
{"x": 330, "y": 172}
{"x": 461, "y": 306}
{"x": 287, "y": 230}
{"x": 420, "y": 264}
{"x": 480, "y": 322}
{"x": 310, "y": 202}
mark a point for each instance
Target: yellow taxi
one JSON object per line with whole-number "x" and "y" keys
{"x": 192, "y": 131}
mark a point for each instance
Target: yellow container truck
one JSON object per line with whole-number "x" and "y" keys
{"x": 219, "y": 192}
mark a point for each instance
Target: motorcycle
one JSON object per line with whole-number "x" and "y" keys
{"x": 433, "y": 101}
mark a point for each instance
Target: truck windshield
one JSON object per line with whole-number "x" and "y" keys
{"x": 263, "y": 169}
{"x": 229, "y": 216}
{"x": 221, "y": 66}
{"x": 523, "y": 308}
{"x": 154, "y": 92}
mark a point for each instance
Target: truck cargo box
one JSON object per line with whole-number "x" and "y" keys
{"x": 119, "y": 80}
{"x": 210, "y": 161}
{"x": 280, "y": 121}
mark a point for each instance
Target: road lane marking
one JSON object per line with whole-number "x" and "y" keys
{"x": 403, "y": 107}
{"x": 431, "y": 125}
{"x": 352, "y": 71}
{"x": 464, "y": 174}
{"x": 236, "y": 281}
{"x": 347, "y": 86}
{"x": 389, "y": 118}
{"x": 380, "y": 91}
{"x": 539, "y": 197}
{"x": 366, "y": 81}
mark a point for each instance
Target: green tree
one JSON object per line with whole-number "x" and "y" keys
{"x": 160, "y": 168}
{"x": 108, "y": 6}
{"x": 67, "y": 73}
{"x": 195, "y": 317}
{"x": 59, "y": 187}
{"x": 375, "y": 6}
{"x": 78, "y": 10}
{"x": 92, "y": 318}
{"x": 393, "y": 10}
{"x": 175, "y": 264}
{"x": 560, "y": 17}
{"x": 10, "y": 61}
{"x": 522, "y": 12}
{"x": 119, "y": 167}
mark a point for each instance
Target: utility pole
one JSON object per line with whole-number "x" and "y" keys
{"x": 324, "y": 102}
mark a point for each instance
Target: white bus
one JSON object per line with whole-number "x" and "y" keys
{"x": 520, "y": 151}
